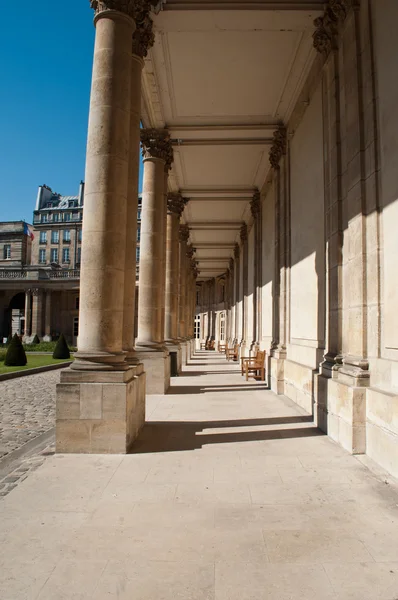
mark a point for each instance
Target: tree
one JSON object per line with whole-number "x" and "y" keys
{"x": 61, "y": 349}
{"x": 15, "y": 356}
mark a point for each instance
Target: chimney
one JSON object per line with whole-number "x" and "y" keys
{"x": 81, "y": 193}
{"x": 39, "y": 197}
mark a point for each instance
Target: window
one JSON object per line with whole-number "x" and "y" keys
{"x": 66, "y": 236}
{"x": 43, "y": 237}
{"x": 75, "y": 326}
{"x": 80, "y": 235}
{"x": 54, "y": 255}
{"x": 139, "y": 214}
{"x": 55, "y": 237}
{"x": 42, "y": 256}
{"x": 56, "y": 217}
{"x": 65, "y": 255}
{"x": 44, "y": 218}
{"x": 67, "y": 216}
{"x": 137, "y": 254}
{"x": 197, "y": 327}
{"x": 222, "y": 327}
{"x": 7, "y": 251}
{"x": 138, "y": 234}
{"x": 79, "y": 257}
{"x": 77, "y": 302}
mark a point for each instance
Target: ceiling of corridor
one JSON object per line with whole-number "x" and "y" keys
{"x": 220, "y": 76}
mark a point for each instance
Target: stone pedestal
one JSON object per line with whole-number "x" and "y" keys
{"x": 99, "y": 412}
{"x": 157, "y": 369}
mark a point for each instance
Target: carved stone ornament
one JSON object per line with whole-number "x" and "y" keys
{"x": 190, "y": 252}
{"x": 155, "y": 143}
{"x": 184, "y": 233}
{"x": 143, "y": 37}
{"x": 278, "y": 148}
{"x": 326, "y": 30}
{"x": 236, "y": 251}
{"x": 136, "y": 9}
{"x": 231, "y": 264}
{"x": 243, "y": 233}
{"x": 255, "y": 205}
{"x": 35, "y": 291}
{"x": 176, "y": 204}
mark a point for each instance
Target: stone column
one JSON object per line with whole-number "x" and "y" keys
{"x": 232, "y": 268}
{"x": 28, "y": 312}
{"x": 37, "y": 312}
{"x": 238, "y": 305}
{"x": 175, "y": 206}
{"x": 244, "y": 350}
{"x": 99, "y": 401}
{"x": 255, "y": 208}
{"x": 278, "y": 351}
{"x": 142, "y": 39}
{"x": 150, "y": 341}
{"x": 182, "y": 330}
{"x": 47, "y": 318}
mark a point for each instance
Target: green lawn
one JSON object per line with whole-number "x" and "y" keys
{"x": 40, "y": 360}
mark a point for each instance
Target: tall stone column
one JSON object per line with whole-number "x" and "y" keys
{"x": 182, "y": 324}
{"x": 143, "y": 38}
{"x": 175, "y": 206}
{"x": 150, "y": 341}
{"x": 37, "y": 312}
{"x": 278, "y": 353}
{"x": 245, "y": 268}
{"x": 47, "y": 317}
{"x": 99, "y": 401}
{"x": 232, "y": 301}
{"x": 255, "y": 207}
{"x": 238, "y": 297}
{"x": 28, "y": 312}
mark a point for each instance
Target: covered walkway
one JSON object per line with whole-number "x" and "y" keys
{"x": 230, "y": 493}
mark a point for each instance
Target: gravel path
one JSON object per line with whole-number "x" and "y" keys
{"x": 27, "y": 409}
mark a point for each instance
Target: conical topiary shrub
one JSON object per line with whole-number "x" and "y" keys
{"x": 15, "y": 356}
{"x": 36, "y": 339}
{"x": 61, "y": 349}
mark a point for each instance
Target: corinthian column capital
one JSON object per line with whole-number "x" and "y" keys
{"x": 136, "y": 9}
{"x": 143, "y": 37}
{"x": 243, "y": 233}
{"x": 255, "y": 205}
{"x": 155, "y": 143}
{"x": 176, "y": 204}
{"x": 184, "y": 233}
{"x": 278, "y": 148}
{"x": 326, "y": 27}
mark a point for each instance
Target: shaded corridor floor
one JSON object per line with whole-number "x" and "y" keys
{"x": 230, "y": 493}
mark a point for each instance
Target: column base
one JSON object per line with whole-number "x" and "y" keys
{"x": 99, "y": 412}
{"x": 157, "y": 369}
{"x": 340, "y": 411}
{"x": 277, "y": 375}
{"x": 175, "y": 348}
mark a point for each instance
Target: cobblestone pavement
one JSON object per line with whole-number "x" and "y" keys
{"x": 24, "y": 466}
{"x": 27, "y": 409}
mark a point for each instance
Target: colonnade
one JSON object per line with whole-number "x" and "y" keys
{"x": 101, "y": 398}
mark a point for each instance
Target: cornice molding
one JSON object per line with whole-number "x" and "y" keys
{"x": 278, "y": 148}
{"x": 155, "y": 143}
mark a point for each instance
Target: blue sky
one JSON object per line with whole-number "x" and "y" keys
{"x": 45, "y": 79}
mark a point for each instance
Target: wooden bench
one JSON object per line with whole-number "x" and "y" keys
{"x": 255, "y": 367}
{"x": 244, "y": 358}
{"x": 211, "y": 345}
{"x": 232, "y": 352}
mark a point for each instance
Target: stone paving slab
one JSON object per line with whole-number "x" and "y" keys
{"x": 226, "y": 496}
